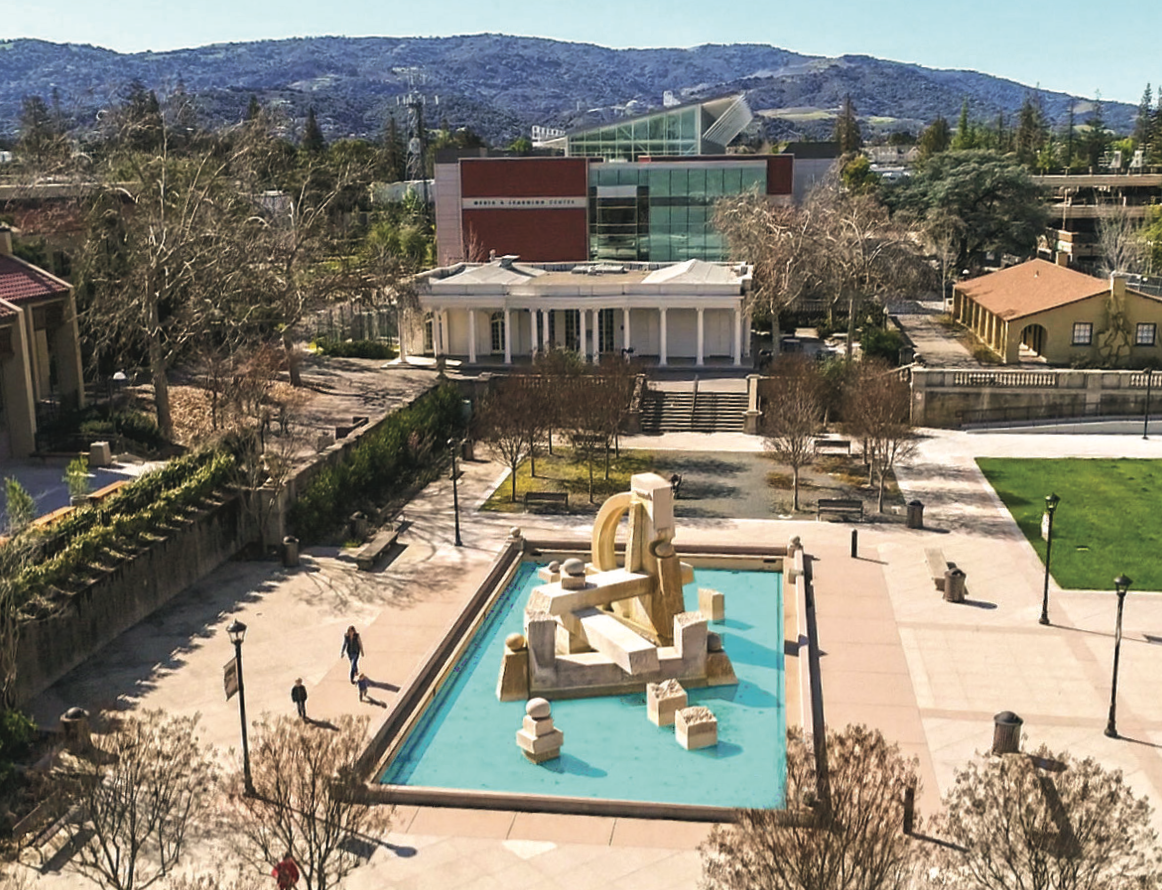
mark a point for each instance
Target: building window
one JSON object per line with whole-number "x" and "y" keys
{"x": 605, "y": 331}
{"x": 497, "y": 322}
{"x": 429, "y": 333}
{"x": 1082, "y": 333}
{"x": 1145, "y": 335}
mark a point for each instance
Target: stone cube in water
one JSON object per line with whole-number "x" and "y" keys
{"x": 696, "y": 727}
{"x": 712, "y": 604}
{"x": 663, "y": 701}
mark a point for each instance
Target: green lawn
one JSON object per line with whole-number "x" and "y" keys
{"x": 1109, "y": 520}
{"x": 559, "y": 472}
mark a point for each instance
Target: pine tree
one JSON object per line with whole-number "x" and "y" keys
{"x": 1144, "y": 122}
{"x": 1097, "y": 137}
{"x": 313, "y": 141}
{"x": 965, "y": 138}
{"x": 847, "y": 128}
{"x": 935, "y": 138}
{"x": 1032, "y": 131}
{"x": 253, "y": 110}
{"x": 1069, "y": 135}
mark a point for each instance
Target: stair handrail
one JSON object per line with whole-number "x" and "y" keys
{"x": 694, "y": 401}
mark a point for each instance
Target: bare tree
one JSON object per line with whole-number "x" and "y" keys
{"x": 141, "y": 790}
{"x": 1120, "y": 242}
{"x": 1045, "y": 821}
{"x": 792, "y": 414}
{"x": 309, "y": 799}
{"x": 501, "y": 425}
{"x": 856, "y": 843}
{"x": 878, "y": 411}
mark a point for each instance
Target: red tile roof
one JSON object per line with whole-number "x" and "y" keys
{"x": 21, "y": 281}
{"x": 1030, "y": 288}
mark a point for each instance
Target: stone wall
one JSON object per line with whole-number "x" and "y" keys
{"x": 51, "y": 647}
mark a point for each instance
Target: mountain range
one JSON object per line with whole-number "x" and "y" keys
{"x": 501, "y": 86}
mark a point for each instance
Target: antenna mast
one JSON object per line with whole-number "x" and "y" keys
{"x": 415, "y": 100}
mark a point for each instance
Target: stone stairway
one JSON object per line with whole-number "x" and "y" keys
{"x": 685, "y": 412}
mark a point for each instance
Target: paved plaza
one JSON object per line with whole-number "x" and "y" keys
{"x": 930, "y": 674}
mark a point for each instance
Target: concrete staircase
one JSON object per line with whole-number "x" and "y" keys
{"x": 689, "y": 412}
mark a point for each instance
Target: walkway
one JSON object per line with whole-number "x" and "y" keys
{"x": 930, "y": 674}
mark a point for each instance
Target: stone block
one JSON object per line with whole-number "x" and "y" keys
{"x": 712, "y": 604}
{"x": 538, "y": 749}
{"x": 628, "y": 650}
{"x": 690, "y": 634}
{"x": 719, "y": 670}
{"x": 100, "y": 455}
{"x": 537, "y": 727}
{"x": 513, "y": 682}
{"x": 663, "y": 701}
{"x": 541, "y": 636}
{"x": 538, "y": 708}
{"x": 696, "y": 727}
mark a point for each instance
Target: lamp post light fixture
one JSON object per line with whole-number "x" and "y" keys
{"x": 1121, "y": 585}
{"x": 237, "y": 633}
{"x": 1051, "y": 502}
{"x": 454, "y": 444}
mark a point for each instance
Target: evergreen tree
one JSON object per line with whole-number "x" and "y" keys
{"x": 313, "y": 142}
{"x": 1155, "y": 153}
{"x": 965, "y": 137}
{"x": 253, "y": 110}
{"x": 395, "y": 152}
{"x": 1144, "y": 122}
{"x": 41, "y": 142}
{"x": 1070, "y": 134}
{"x": 1032, "y": 131}
{"x": 1097, "y": 137}
{"x": 847, "y": 128}
{"x": 935, "y": 138}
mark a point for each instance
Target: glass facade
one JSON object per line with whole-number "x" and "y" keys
{"x": 662, "y": 212}
{"x": 666, "y": 133}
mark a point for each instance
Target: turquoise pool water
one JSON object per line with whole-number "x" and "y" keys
{"x": 467, "y": 739}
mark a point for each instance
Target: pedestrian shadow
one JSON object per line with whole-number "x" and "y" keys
{"x": 374, "y": 701}
{"x": 321, "y": 724}
{"x": 376, "y": 684}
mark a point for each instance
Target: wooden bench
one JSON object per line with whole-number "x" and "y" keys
{"x": 547, "y": 497}
{"x": 839, "y": 506}
{"x": 937, "y": 565}
{"x": 367, "y": 555}
{"x": 843, "y": 445}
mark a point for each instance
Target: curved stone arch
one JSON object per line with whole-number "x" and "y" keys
{"x": 603, "y": 555}
{"x": 1035, "y": 338}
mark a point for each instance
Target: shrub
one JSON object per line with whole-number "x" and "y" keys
{"x": 883, "y": 343}
{"x": 17, "y": 732}
{"x": 356, "y": 349}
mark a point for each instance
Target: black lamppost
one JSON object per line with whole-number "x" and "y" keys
{"x": 1146, "y": 420}
{"x": 1121, "y": 585}
{"x": 1051, "y": 502}
{"x": 454, "y": 444}
{"x": 237, "y": 633}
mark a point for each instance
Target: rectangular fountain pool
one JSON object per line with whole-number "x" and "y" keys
{"x": 466, "y": 738}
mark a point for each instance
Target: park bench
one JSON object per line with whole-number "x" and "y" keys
{"x": 833, "y": 445}
{"x": 547, "y": 497}
{"x": 937, "y": 565}
{"x": 838, "y": 506}
{"x": 367, "y": 555}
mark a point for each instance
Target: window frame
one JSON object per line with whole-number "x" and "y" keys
{"x": 1146, "y": 326}
{"x": 1080, "y": 327}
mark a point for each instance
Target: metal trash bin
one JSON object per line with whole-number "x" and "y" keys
{"x": 290, "y": 551}
{"x": 359, "y": 526}
{"x": 915, "y": 517}
{"x": 1006, "y": 733}
{"x": 954, "y": 585}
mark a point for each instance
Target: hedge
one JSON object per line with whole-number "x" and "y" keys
{"x": 384, "y": 461}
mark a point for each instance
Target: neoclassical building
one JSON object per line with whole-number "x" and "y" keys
{"x": 689, "y": 313}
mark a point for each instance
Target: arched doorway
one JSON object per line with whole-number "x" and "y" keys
{"x": 1034, "y": 339}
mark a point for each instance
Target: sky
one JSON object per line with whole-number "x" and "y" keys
{"x": 1067, "y": 45}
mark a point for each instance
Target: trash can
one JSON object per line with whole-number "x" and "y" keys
{"x": 1006, "y": 733}
{"x": 290, "y": 551}
{"x": 915, "y": 517}
{"x": 954, "y": 585}
{"x": 359, "y": 526}
{"x": 76, "y": 731}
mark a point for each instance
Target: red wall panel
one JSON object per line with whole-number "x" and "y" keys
{"x": 524, "y": 177}
{"x": 780, "y": 174}
{"x": 536, "y": 236}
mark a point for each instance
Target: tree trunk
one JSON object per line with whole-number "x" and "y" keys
{"x": 607, "y": 461}
{"x": 883, "y": 481}
{"x": 590, "y": 461}
{"x": 157, "y": 372}
{"x": 292, "y": 359}
{"x": 850, "y": 327}
{"x": 795, "y": 489}
{"x": 514, "y": 466}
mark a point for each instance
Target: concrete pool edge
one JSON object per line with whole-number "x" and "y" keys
{"x": 427, "y": 679}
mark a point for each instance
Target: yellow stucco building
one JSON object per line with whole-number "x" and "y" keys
{"x": 1039, "y": 311}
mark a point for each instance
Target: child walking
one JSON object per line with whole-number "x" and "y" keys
{"x": 299, "y": 697}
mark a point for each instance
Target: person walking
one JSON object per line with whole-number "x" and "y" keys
{"x": 299, "y": 697}
{"x": 352, "y": 648}
{"x": 286, "y": 872}
{"x": 364, "y": 684}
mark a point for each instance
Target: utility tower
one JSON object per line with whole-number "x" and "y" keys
{"x": 415, "y": 100}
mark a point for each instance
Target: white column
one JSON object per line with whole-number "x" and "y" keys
{"x": 535, "y": 332}
{"x": 701, "y": 334}
{"x": 625, "y": 339}
{"x": 581, "y": 333}
{"x": 545, "y": 344}
{"x": 444, "y": 338}
{"x": 737, "y": 336}
{"x": 507, "y": 336}
{"x": 435, "y": 318}
{"x": 471, "y": 336}
{"x": 663, "y": 357}
{"x": 597, "y": 336}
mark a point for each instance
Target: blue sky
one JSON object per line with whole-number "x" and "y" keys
{"x": 1069, "y": 45}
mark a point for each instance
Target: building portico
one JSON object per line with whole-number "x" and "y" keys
{"x": 504, "y": 310}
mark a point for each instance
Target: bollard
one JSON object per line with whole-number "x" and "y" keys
{"x": 855, "y": 543}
